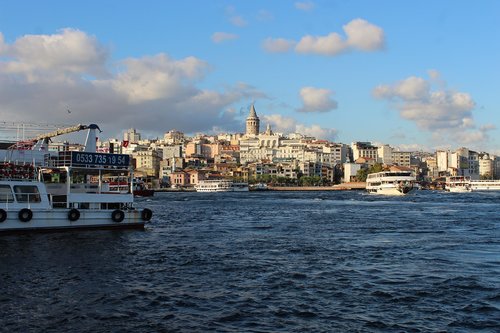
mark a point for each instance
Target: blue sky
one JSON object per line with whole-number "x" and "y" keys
{"x": 413, "y": 74}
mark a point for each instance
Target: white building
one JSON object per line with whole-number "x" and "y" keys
{"x": 384, "y": 153}
{"x": 364, "y": 149}
{"x": 486, "y": 166}
{"x": 401, "y": 158}
{"x": 350, "y": 171}
{"x": 442, "y": 160}
{"x": 132, "y": 136}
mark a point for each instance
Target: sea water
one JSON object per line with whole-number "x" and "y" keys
{"x": 266, "y": 262}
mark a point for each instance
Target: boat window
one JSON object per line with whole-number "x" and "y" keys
{"x": 27, "y": 193}
{"x": 6, "y": 194}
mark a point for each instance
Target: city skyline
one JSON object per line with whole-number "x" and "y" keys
{"x": 420, "y": 76}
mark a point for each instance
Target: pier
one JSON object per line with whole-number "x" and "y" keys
{"x": 339, "y": 187}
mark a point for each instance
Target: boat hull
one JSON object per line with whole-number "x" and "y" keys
{"x": 391, "y": 191}
{"x": 144, "y": 193}
{"x": 58, "y": 219}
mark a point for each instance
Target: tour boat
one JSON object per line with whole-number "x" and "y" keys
{"x": 391, "y": 182}
{"x": 220, "y": 185}
{"x": 69, "y": 190}
{"x": 466, "y": 184}
{"x": 458, "y": 184}
{"x": 485, "y": 185}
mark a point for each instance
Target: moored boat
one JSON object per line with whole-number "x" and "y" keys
{"x": 463, "y": 184}
{"x": 69, "y": 191}
{"x": 485, "y": 185}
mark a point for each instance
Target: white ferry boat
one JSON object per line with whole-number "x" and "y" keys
{"x": 391, "y": 182}
{"x": 458, "y": 184}
{"x": 485, "y": 185}
{"x": 220, "y": 185}
{"x": 69, "y": 191}
{"x": 466, "y": 184}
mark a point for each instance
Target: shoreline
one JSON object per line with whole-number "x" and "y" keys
{"x": 359, "y": 186}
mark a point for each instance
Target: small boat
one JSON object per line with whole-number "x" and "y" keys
{"x": 259, "y": 187}
{"x": 140, "y": 189}
{"x": 391, "y": 182}
{"x": 239, "y": 187}
{"x": 69, "y": 191}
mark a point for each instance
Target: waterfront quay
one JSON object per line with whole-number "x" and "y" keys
{"x": 339, "y": 187}
{"x": 352, "y": 186}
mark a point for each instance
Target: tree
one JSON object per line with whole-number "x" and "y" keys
{"x": 363, "y": 173}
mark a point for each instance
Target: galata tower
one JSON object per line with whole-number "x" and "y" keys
{"x": 253, "y": 123}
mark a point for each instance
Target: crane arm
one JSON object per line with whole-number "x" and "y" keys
{"x": 61, "y": 131}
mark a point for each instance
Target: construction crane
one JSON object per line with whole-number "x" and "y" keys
{"x": 60, "y": 131}
{"x": 41, "y": 141}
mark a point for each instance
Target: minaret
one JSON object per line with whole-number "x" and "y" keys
{"x": 253, "y": 123}
{"x": 269, "y": 131}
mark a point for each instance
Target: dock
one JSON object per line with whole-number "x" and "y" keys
{"x": 339, "y": 187}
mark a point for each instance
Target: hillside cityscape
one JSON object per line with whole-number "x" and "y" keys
{"x": 256, "y": 156}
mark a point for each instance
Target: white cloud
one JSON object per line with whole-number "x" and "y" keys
{"x": 363, "y": 35}
{"x": 447, "y": 114}
{"x": 280, "y": 123}
{"x": 289, "y": 125}
{"x": 412, "y": 88}
{"x": 68, "y": 53}
{"x": 158, "y": 77}
{"x": 43, "y": 75}
{"x": 278, "y": 45}
{"x": 360, "y": 35}
{"x": 329, "y": 45}
{"x": 317, "y": 100}
{"x": 219, "y": 37}
{"x": 318, "y": 132}
{"x": 305, "y": 5}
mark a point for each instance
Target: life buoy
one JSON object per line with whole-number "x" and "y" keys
{"x": 3, "y": 215}
{"x": 117, "y": 215}
{"x": 25, "y": 215}
{"x": 73, "y": 214}
{"x": 146, "y": 214}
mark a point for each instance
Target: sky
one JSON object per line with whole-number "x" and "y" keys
{"x": 418, "y": 75}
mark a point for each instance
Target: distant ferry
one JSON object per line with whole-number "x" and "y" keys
{"x": 485, "y": 185}
{"x": 391, "y": 182}
{"x": 220, "y": 185}
{"x": 465, "y": 184}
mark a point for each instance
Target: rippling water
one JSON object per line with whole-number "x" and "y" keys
{"x": 266, "y": 262}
